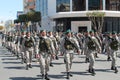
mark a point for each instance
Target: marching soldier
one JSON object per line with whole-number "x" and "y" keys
{"x": 69, "y": 44}
{"x": 22, "y": 49}
{"x": 46, "y": 50}
{"x": 28, "y": 44}
{"x": 114, "y": 46}
{"x": 86, "y": 37}
{"x": 107, "y": 48}
{"x": 54, "y": 44}
{"x": 36, "y": 38}
{"x": 93, "y": 46}
{"x": 58, "y": 43}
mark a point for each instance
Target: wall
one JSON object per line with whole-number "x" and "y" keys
{"x": 76, "y": 24}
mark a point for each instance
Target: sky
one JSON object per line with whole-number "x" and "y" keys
{"x": 9, "y": 8}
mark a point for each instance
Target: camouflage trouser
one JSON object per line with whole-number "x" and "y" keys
{"x": 92, "y": 59}
{"x": 44, "y": 61}
{"x": 114, "y": 58}
{"x": 68, "y": 58}
{"x": 28, "y": 55}
{"x": 108, "y": 51}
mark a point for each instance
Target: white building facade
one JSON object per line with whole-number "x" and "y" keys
{"x": 61, "y": 15}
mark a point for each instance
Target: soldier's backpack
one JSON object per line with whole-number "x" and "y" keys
{"x": 29, "y": 42}
{"x": 91, "y": 44}
{"x": 114, "y": 44}
{"x": 44, "y": 45}
{"x": 69, "y": 44}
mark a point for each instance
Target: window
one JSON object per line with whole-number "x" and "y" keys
{"x": 113, "y": 5}
{"x": 78, "y": 5}
{"x": 63, "y": 5}
{"x": 95, "y": 4}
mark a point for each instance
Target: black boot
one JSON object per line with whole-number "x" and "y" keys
{"x": 89, "y": 70}
{"x": 108, "y": 59}
{"x": 93, "y": 71}
{"x": 68, "y": 75}
{"x": 46, "y": 77}
{"x": 96, "y": 55}
{"x": 112, "y": 68}
{"x": 43, "y": 76}
{"x": 30, "y": 66}
{"x": 64, "y": 61}
{"x": 116, "y": 70}
{"x": 51, "y": 64}
{"x": 57, "y": 58}
{"x": 87, "y": 60}
{"x": 27, "y": 66}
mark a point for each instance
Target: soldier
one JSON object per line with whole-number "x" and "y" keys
{"x": 58, "y": 43}
{"x": 97, "y": 36}
{"x": 46, "y": 50}
{"x": 86, "y": 37}
{"x": 69, "y": 44}
{"x": 114, "y": 46}
{"x": 54, "y": 44}
{"x": 92, "y": 45}
{"x": 36, "y": 38}
{"x": 22, "y": 48}
{"x": 106, "y": 41}
{"x": 28, "y": 44}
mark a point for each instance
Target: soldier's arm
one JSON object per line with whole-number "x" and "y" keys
{"x": 76, "y": 43}
{"x": 97, "y": 44}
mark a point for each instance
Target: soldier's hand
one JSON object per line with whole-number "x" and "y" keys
{"x": 37, "y": 55}
{"x": 78, "y": 51}
{"x": 53, "y": 56}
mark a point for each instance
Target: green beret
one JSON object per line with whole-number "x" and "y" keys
{"x": 42, "y": 31}
{"x": 91, "y": 31}
{"x": 113, "y": 32}
{"x": 68, "y": 31}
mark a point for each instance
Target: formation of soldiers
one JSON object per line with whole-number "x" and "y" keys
{"x": 47, "y": 46}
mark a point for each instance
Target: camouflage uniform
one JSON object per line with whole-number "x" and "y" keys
{"x": 114, "y": 46}
{"x": 46, "y": 50}
{"x": 93, "y": 46}
{"x": 69, "y": 44}
{"x": 28, "y": 44}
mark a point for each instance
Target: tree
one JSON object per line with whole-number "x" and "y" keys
{"x": 1, "y": 27}
{"x": 97, "y": 19}
{"x": 34, "y": 17}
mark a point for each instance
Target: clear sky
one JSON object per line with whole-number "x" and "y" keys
{"x": 9, "y": 8}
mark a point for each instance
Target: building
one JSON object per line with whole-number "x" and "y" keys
{"x": 61, "y": 15}
{"x": 28, "y": 5}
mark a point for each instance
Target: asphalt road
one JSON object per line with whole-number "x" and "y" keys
{"x": 12, "y": 69}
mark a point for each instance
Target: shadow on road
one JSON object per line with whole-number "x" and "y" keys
{"x": 104, "y": 70}
{"x": 11, "y": 62}
{"x": 78, "y": 73}
{"x": 18, "y": 67}
{"x": 9, "y": 58}
{"x": 24, "y": 78}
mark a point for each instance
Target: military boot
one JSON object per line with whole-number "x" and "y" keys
{"x": 108, "y": 59}
{"x": 46, "y": 77}
{"x": 116, "y": 70}
{"x": 96, "y": 55}
{"x": 51, "y": 64}
{"x": 57, "y": 58}
{"x": 27, "y": 66}
{"x": 93, "y": 71}
{"x": 87, "y": 60}
{"x": 43, "y": 76}
{"x": 30, "y": 66}
{"x": 112, "y": 68}
{"x": 68, "y": 75}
